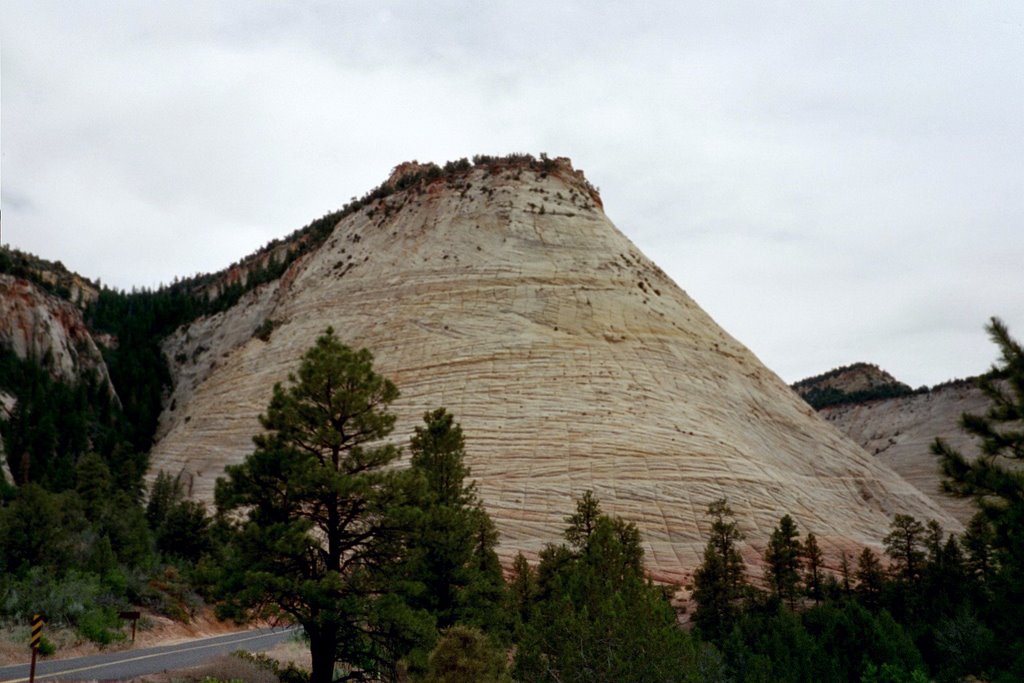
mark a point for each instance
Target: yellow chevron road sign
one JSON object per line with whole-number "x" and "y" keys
{"x": 37, "y": 630}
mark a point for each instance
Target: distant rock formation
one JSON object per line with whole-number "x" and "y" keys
{"x": 900, "y": 430}
{"x": 35, "y": 324}
{"x": 52, "y": 276}
{"x": 850, "y": 384}
{"x": 503, "y": 292}
{"x": 39, "y": 325}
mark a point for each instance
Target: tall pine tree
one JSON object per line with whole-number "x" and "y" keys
{"x": 316, "y": 505}
{"x": 720, "y": 579}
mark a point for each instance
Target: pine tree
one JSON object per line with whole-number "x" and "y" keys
{"x": 166, "y": 492}
{"x": 813, "y": 560}
{"x": 783, "y": 560}
{"x": 317, "y": 502}
{"x": 994, "y": 486}
{"x": 596, "y": 617}
{"x": 583, "y": 521}
{"x": 94, "y": 484}
{"x": 522, "y": 588}
{"x": 844, "y": 573}
{"x": 978, "y": 538}
{"x": 453, "y": 551}
{"x": 465, "y": 654}
{"x": 903, "y": 545}
{"x": 870, "y": 577}
{"x": 719, "y": 581}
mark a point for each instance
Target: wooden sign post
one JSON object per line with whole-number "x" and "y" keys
{"x": 37, "y": 637}
{"x": 134, "y": 616}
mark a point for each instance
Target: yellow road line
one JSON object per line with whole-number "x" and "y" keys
{"x": 140, "y": 657}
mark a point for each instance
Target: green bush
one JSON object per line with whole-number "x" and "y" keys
{"x": 62, "y": 599}
{"x": 46, "y": 647}
{"x": 464, "y": 653}
{"x": 101, "y": 625}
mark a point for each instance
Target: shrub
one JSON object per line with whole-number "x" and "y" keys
{"x": 46, "y": 647}
{"x": 101, "y": 625}
{"x": 464, "y": 654}
{"x": 265, "y": 329}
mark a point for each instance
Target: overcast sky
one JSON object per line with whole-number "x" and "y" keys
{"x": 832, "y": 182}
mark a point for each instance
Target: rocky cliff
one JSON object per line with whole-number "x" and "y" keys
{"x": 52, "y": 276}
{"x": 37, "y": 324}
{"x": 571, "y": 360}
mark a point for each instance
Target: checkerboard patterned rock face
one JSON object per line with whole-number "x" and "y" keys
{"x": 571, "y": 360}
{"x": 899, "y": 433}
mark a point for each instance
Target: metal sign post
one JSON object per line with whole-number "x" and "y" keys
{"x": 37, "y": 637}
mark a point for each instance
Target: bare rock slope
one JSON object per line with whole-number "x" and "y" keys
{"x": 571, "y": 360}
{"x": 899, "y": 432}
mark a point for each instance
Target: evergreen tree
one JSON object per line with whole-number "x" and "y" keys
{"x": 94, "y": 485}
{"x": 124, "y": 522}
{"x": 813, "y": 561}
{"x": 38, "y": 529}
{"x": 977, "y": 542}
{"x": 438, "y": 454}
{"x": 933, "y": 539}
{"x": 583, "y": 521}
{"x": 185, "y": 532}
{"x": 523, "y": 589}
{"x": 318, "y": 532}
{"x": 844, "y": 573}
{"x": 452, "y": 552}
{"x": 997, "y": 488}
{"x": 995, "y": 545}
{"x": 854, "y": 639}
{"x": 783, "y": 561}
{"x": 463, "y": 655}
{"x": 719, "y": 581}
{"x": 596, "y": 617}
{"x": 167, "y": 491}
{"x": 903, "y": 545}
{"x": 870, "y": 577}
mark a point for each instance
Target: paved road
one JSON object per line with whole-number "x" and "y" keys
{"x": 132, "y": 663}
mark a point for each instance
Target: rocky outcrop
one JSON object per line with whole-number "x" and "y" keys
{"x": 850, "y": 379}
{"x": 571, "y": 360}
{"x": 850, "y": 384}
{"x": 38, "y": 325}
{"x": 52, "y": 275}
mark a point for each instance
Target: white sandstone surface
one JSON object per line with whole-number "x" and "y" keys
{"x": 570, "y": 359}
